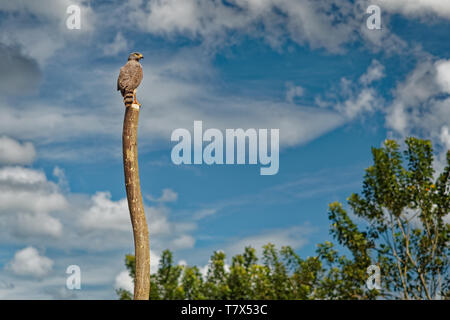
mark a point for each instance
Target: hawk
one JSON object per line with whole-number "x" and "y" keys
{"x": 130, "y": 77}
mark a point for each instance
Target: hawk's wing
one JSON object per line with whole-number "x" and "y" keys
{"x": 122, "y": 80}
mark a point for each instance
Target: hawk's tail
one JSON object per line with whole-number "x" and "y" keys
{"x": 128, "y": 98}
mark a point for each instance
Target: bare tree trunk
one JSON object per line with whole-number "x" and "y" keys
{"x": 135, "y": 204}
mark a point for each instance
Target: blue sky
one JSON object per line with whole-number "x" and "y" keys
{"x": 312, "y": 69}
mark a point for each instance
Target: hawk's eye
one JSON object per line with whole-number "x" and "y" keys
{"x": 136, "y": 54}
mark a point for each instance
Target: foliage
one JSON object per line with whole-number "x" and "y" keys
{"x": 397, "y": 223}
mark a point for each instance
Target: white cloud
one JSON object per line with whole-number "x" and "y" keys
{"x": 205, "y": 269}
{"x": 124, "y": 281}
{"x": 421, "y": 107}
{"x": 36, "y": 200}
{"x": 37, "y": 224}
{"x": 154, "y": 261}
{"x": 20, "y": 175}
{"x": 202, "y": 213}
{"x": 374, "y": 72}
{"x": 364, "y": 101}
{"x": 27, "y": 199}
{"x": 46, "y": 124}
{"x": 174, "y": 15}
{"x": 106, "y": 223}
{"x": 28, "y": 262}
{"x": 183, "y": 242}
{"x": 119, "y": 44}
{"x": 19, "y": 74}
{"x": 45, "y": 9}
{"x": 352, "y": 99}
{"x": 443, "y": 75}
{"x": 106, "y": 214}
{"x": 445, "y": 137}
{"x": 317, "y": 23}
{"x": 418, "y": 108}
{"x": 168, "y": 195}
{"x": 41, "y": 37}
{"x": 14, "y": 152}
{"x": 293, "y": 92}
{"x": 417, "y": 8}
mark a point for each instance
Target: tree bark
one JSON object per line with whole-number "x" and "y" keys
{"x": 135, "y": 204}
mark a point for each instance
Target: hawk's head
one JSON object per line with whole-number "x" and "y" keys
{"x": 135, "y": 56}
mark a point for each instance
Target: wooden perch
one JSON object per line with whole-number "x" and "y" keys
{"x": 135, "y": 204}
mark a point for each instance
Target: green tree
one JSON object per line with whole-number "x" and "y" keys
{"x": 403, "y": 206}
{"x": 167, "y": 285}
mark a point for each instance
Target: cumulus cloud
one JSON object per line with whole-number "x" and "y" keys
{"x": 20, "y": 175}
{"x": 364, "y": 101}
{"x": 28, "y": 262}
{"x": 124, "y": 281}
{"x": 18, "y": 73}
{"x": 317, "y": 23}
{"x": 108, "y": 221}
{"x": 443, "y": 75}
{"x": 106, "y": 214}
{"x": 421, "y": 101}
{"x": 445, "y": 137}
{"x": 14, "y": 152}
{"x": 119, "y": 44}
{"x": 37, "y": 224}
{"x": 27, "y": 200}
{"x": 45, "y": 31}
{"x": 417, "y": 8}
{"x": 46, "y": 9}
{"x": 174, "y": 15}
{"x": 18, "y": 183}
{"x": 321, "y": 24}
{"x": 352, "y": 99}
{"x": 51, "y": 123}
{"x": 293, "y": 92}
{"x": 421, "y": 107}
{"x": 374, "y": 72}
{"x": 34, "y": 208}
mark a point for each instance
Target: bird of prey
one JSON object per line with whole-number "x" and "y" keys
{"x": 130, "y": 77}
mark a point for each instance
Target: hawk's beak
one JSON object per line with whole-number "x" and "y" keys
{"x": 141, "y": 57}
